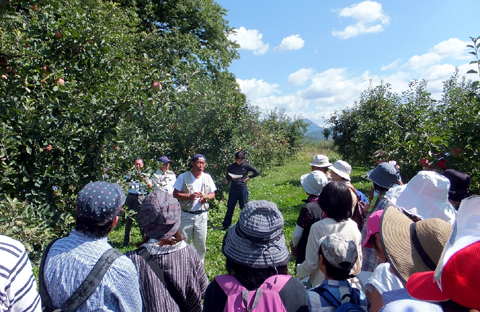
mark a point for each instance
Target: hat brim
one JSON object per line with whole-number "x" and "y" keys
{"x": 380, "y": 183}
{"x": 423, "y": 286}
{"x": 321, "y": 165}
{"x": 420, "y": 206}
{"x": 244, "y": 252}
{"x": 395, "y": 234}
{"x": 366, "y": 242}
{"x": 340, "y": 173}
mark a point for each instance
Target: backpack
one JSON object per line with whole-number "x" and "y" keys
{"x": 350, "y": 306}
{"x": 359, "y": 214}
{"x": 265, "y": 299}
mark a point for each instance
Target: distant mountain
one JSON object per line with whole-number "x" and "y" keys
{"x": 314, "y": 131}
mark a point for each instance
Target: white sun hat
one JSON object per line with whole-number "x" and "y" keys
{"x": 425, "y": 196}
{"x": 313, "y": 182}
{"x": 342, "y": 168}
{"x": 320, "y": 161}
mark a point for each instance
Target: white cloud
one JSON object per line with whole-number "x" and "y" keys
{"x": 322, "y": 93}
{"x": 249, "y": 39}
{"x": 453, "y": 48}
{"x": 392, "y": 65}
{"x": 293, "y": 42}
{"x": 254, "y": 88}
{"x": 369, "y": 19}
{"x": 301, "y": 76}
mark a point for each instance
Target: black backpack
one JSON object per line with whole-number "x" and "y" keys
{"x": 85, "y": 290}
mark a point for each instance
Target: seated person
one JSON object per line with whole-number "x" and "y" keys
{"x": 337, "y": 256}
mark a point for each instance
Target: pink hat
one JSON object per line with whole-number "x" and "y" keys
{"x": 373, "y": 226}
{"x": 457, "y": 275}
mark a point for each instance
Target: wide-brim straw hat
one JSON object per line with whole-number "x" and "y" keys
{"x": 412, "y": 247}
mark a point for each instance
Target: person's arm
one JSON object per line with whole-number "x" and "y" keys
{"x": 184, "y": 196}
{"x": 307, "y": 267}
{"x": 252, "y": 169}
{"x": 375, "y": 299}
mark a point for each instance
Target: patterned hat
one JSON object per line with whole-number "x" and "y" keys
{"x": 100, "y": 202}
{"x": 339, "y": 251}
{"x": 257, "y": 240}
{"x": 159, "y": 216}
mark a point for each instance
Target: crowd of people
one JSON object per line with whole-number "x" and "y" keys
{"x": 405, "y": 247}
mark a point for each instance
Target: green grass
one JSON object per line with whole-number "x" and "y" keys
{"x": 280, "y": 185}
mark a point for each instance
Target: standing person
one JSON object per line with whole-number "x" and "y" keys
{"x": 136, "y": 194}
{"x": 321, "y": 163}
{"x": 70, "y": 259}
{"x": 313, "y": 184}
{"x": 237, "y": 172}
{"x": 164, "y": 178}
{"x": 194, "y": 189}
{"x": 257, "y": 265}
{"x": 336, "y": 201}
{"x": 18, "y": 287}
{"x": 164, "y": 253}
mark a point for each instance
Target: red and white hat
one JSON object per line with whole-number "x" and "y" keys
{"x": 457, "y": 275}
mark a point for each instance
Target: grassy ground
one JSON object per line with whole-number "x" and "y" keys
{"x": 280, "y": 185}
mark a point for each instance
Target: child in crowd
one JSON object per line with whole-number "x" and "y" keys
{"x": 337, "y": 256}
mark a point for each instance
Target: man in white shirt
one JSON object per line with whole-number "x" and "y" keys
{"x": 164, "y": 178}
{"x": 194, "y": 189}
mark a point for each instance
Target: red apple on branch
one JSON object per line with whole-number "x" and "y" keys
{"x": 458, "y": 151}
{"x": 156, "y": 86}
{"x": 424, "y": 162}
{"x": 58, "y": 34}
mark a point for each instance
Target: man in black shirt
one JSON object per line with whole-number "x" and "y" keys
{"x": 237, "y": 173}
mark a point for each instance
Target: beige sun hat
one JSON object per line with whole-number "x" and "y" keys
{"x": 412, "y": 247}
{"x": 320, "y": 161}
{"x": 342, "y": 168}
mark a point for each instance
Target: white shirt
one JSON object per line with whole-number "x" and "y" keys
{"x": 164, "y": 180}
{"x": 383, "y": 279}
{"x": 319, "y": 229}
{"x": 197, "y": 186}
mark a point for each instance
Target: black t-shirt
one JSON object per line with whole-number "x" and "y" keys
{"x": 293, "y": 295}
{"x": 242, "y": 170}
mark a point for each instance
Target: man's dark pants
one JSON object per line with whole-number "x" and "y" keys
{"x": 133, "y": 202}
{"x": 236, "y": 194}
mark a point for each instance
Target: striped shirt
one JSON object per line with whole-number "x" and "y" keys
{"x": 18, "y": 288}
{"x": 71, "y": 259}
{"x": 184, "y": 274}
{"x": 339, "y": 289}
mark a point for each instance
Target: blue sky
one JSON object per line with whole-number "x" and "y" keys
{"x": 314, "y": 57}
